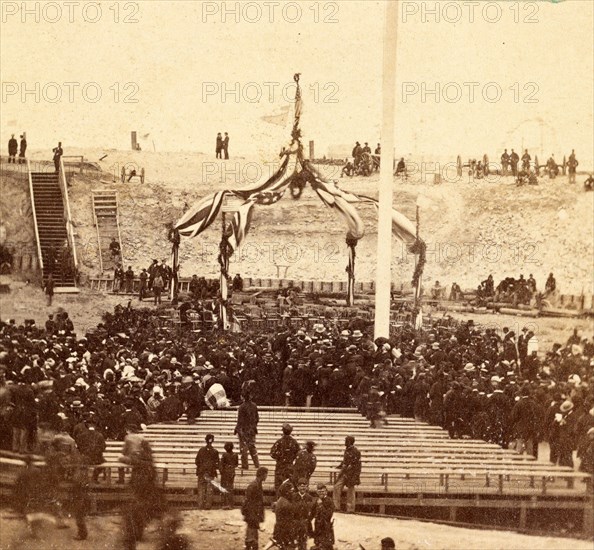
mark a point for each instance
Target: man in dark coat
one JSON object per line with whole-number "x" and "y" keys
{"x": 452, "y": 406}
{"x": 550, "y": 414}
{"x": 91, "y": 445}
{"x": 306, "y": 461}
{"x": 303, "y": 503}
{"x": 246, "y": 430}
{"x": 514, "y": 160}
{"x": 505, "y": 158}
{"x": 525, "y": 419}
{"x": 13, "y": 147}
{"x": 284, "y": 451}
{"x": 226, "y": 145}
{"x": 562, "y": 433}
{"x": 207, "y": 464}
{"x": 193, "y": 398}
{"x": 498, "y": 410}
{"x": 22, "y": 150}
{"x": 349, "y": 475}
{"x": 152, "y": 270}
{"x": 253, "y": 509}
{"x": 129, "y": 277}
{"x": 23, "y": 417}
{"x": 587, "y": 464}
{"x": 58, "y": 152}
{"x": 219, "y": 146}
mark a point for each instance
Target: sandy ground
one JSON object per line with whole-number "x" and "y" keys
{"x": 222, "y": 530}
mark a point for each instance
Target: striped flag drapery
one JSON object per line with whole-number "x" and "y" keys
{"x": 240, "y": 224}
{"x": 201, "y": 215}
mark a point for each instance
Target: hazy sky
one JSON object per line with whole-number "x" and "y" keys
{"x": 537, "y": 55}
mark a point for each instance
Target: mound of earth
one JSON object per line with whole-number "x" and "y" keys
{"x": 471, "y": 228}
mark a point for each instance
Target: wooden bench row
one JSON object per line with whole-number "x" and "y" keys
{"x": 403, "y": 480}
{"x": 336, "y": 450}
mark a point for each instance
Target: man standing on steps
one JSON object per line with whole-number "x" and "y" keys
{"x": 114, "y": 249}
{"x": 284, "y": 451}
{"x": 246, "y": 430}
{"x": 23, "y": 149}
{"x": 58, "y": 152}
{"x": 13, "y": 147}
{"x": 349, "y": 475}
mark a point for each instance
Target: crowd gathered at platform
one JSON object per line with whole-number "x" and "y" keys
{"x": 133, "y": 370}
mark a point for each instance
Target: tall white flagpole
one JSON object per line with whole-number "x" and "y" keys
{"x": 383, "y": 280}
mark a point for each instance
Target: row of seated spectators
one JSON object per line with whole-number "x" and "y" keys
{"x": 131, "y": 371}
{"x": 509, "y": 290}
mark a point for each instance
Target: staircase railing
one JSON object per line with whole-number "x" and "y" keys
{"x": 39, "y": 254}
{"x": 118, "y": 226}
{"x": 96, "y": 221}
{"x": 68, "y": 217}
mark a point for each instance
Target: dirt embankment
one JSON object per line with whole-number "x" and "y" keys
{"x": 17, "y": 230}
{"x": 472, "y": 229}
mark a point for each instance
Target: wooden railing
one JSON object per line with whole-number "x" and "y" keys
{"x": 68, "y": 216}
{"x": 39, "y": 254}
{"x": 80, "y": 159}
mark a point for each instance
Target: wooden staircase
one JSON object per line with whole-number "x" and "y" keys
{"x": 105, "y": 213}
{"x": 51, "y": 230}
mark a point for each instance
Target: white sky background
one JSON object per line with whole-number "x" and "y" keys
{"x": 170, "y": 53}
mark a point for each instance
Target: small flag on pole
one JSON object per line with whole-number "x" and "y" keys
{"x": 280, "y": 118}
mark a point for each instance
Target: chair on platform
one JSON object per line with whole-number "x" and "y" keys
{"x": 196, "y": 321}
{"x": 208, "y": 320}
{"x": 241, "y": 321}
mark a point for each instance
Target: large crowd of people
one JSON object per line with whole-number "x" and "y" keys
{"x": 57, "y": 388}
{"x": 132, "y": 370}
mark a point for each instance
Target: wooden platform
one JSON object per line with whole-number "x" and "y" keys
{"x": 407, "y": 465}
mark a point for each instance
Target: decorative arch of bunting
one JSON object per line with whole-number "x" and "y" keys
{"x": 294, "y": 172}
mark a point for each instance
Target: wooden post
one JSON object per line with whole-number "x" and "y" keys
{"x": 588, "y": 526}
{"x": 134, "y": 141}
{"x": 523, "y": 514}
{"x": 312, "y": 155}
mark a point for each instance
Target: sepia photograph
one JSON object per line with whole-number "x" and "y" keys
{"x": 297, "y": 275}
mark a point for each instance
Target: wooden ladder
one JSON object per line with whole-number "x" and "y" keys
{"x": 105, "y": 215}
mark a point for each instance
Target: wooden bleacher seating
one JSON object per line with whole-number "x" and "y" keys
{"x": 405, "y": 463}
